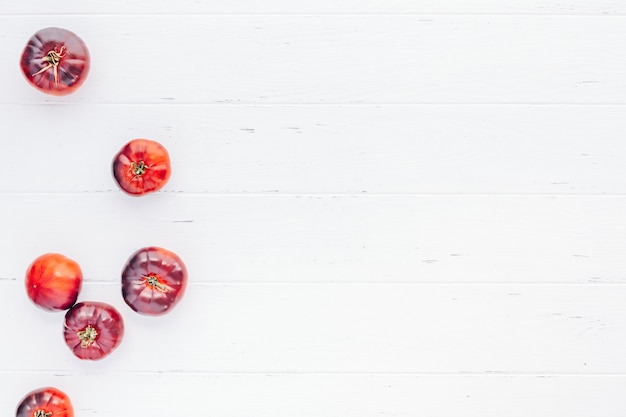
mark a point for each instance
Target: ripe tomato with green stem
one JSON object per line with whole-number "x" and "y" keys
{"x": 153, "y": 280}
{"x": 55, "y": 61}
{"x": 142, "y": 166}
{"x": 45, "y": 402}
{"x": 93, "y": 330}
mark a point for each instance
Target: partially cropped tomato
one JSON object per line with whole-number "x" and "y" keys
{"x": 53, "y": 281}
{"x": 55, "y": 61}
{"x": 93, "y": 330}
{"x": 153, "y": 280}
{"x": 141, "y": 166}
{"x": 45, "y": 402}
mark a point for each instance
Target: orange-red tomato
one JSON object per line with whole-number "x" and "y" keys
{"x": 53, "y": 281}
{"x": 55, "y": 61}
{"x": 45, "y": 402}
{"x": 93, "y": 330}
{"x": 153, "y": 280}
{"x": 141, "y": 166}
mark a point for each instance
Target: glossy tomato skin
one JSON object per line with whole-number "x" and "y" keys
{"x": 53, "y": 281}
{"x": 55, "y": 61}
{"x": 45, "y": 402}
{"x": 93, "y": 330}
{"x": 142, "y": 166}
{"x": 153, "y": 280}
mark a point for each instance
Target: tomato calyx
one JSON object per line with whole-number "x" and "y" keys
{"x": 154, "y": 281}
{"x": 87, "y": 336}
{"x": 138, "y": 169}
{"x": 41, "y": 413}
{"x": 53, "y": 58}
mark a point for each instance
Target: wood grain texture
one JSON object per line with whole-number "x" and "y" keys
{"x": 427, "y": 239}
{"x": 324, "y": 149}
{"x": 562, "y": 7}
{"x": 336, "y": 59}
{"x": 344, "y": 328}
{"x": 330, "y": 395}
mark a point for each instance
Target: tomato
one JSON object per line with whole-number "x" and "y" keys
{"x": 55, "y": 61}
{"x": 93, "y": 330}
{"x": 53, "y": 281}
{"x": 45, "y": 402}
{"x": 141, "y": 166}
{"x": 153, "y": 280}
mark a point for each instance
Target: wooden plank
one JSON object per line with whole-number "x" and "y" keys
{"x": 327, "y": 149}
{"x": 428, "y": 239}
{"x": 336, "y": 59}
{"x": 161, "y": 395}
{"x": 349, "y": 328}
{"x": 568, "y": 7}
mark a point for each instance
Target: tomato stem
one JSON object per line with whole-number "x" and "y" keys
{"x": 138, "y": 169}
{"x": 153, "y": 281}
{"x": 87, "y": 336}
{"x": 52, "y": 58}
{"x": 42, "y": 413}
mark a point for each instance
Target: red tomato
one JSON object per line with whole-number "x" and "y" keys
{"x": 55, "y": 61}
{"x": 53, "y": 282}
{"x": 45, "y": 402}
{"x": 153, "y": 281}
{"x": 93, "y": 329}
{"x": 141, "y": 166}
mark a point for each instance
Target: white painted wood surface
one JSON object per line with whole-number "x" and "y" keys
{"x": 387, "y": 207}
{"x": 324, "y": 59}
{"x": 311, "y": 238}
{"x": 459, "y": 149}
{"x": 350, "y": 328}
{"x": 516, "y": 7}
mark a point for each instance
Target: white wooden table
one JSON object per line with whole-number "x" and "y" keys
{"x": 387, "y": 207}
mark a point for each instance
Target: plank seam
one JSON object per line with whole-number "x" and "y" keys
{"x": 319, "y": 14}
{"x": 488, "y": 374}
{"x": 326, "y": 104}
{"x": 369, "y": 283}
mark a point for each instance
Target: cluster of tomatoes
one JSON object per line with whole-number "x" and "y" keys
{"x": 153, "y": 280}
